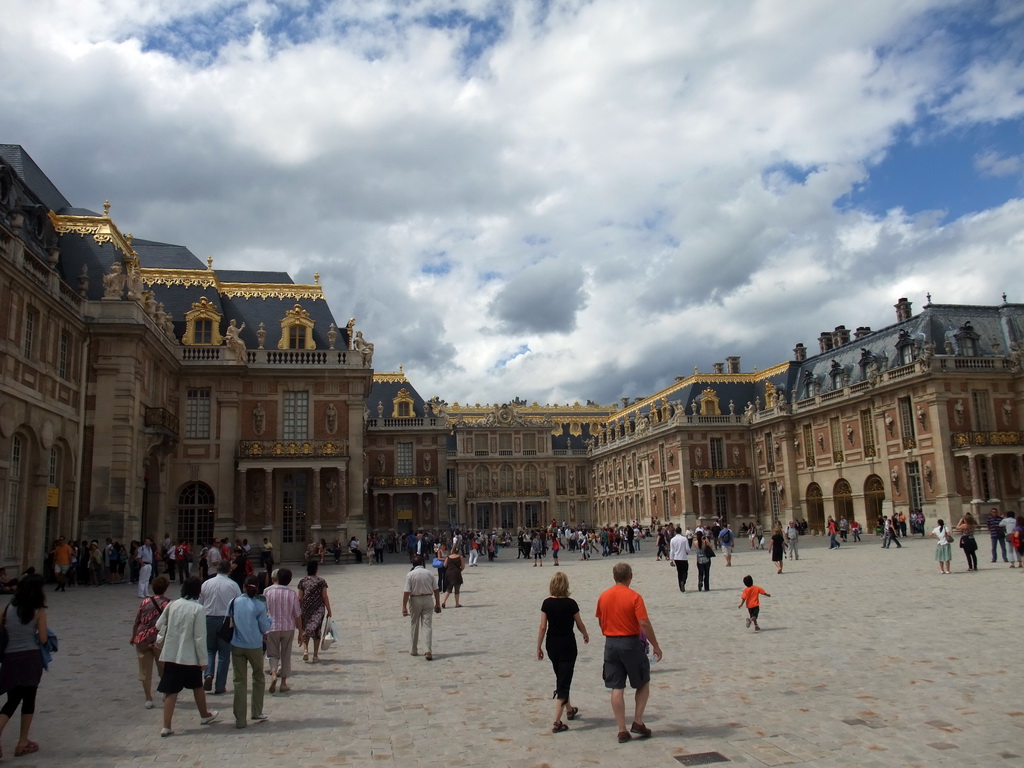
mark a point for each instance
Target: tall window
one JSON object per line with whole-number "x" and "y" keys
{"x": 808, "y": 445}
{"x": 508, "y": 516}
{"x": 867, "y": 431}
{"x": 506, "y": 479}
{"x": 483, "y": 516}
{"x": 722, "y": 501}
{"x": 403, "y": 459}
{"x": 197, "y": 414}
{"x": 769, "y": 452}
{"x": 581, "y": 480}
{"x": 53, "y": 473}
{"x": 505, "y": 444}
{"x": 982, "y": 409}
{"x": 837, "y": 439}
{"x": 28, "y": 339}
{"x": 296, "y": 416}
{"x": 480, "y": 444}
{"x": 63, "y": 354}
{"x": 561, "y": 483}
{"x": 529, "y": 444}
{"x": 13, "y": 501}
{"x": 661, "y": 455}
{"x": 907, "y": 423}
{"x": 195, "y": 513}
{"x": 203, "y": 333}
{"x": 775, "y": 499}
{"x": 451, "y": 481}
{"x": 914, "y": 485}
{"x": 483, "y": 480}
{"x": 530, "y": 516}
{"x": 530, "y": 479}
{"x": 718, "y": 453}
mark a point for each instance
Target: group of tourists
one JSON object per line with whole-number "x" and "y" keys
{"x": 228, "y": 622}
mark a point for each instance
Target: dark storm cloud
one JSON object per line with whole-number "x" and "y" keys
{"x": 543, "y": 298}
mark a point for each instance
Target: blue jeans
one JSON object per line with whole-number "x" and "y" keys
{"x": 832, "y": 543}
{"x": 1002, "y": 545}
{"x": 218, "y": 654}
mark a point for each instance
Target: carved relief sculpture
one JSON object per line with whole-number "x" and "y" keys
{"x": 890, "y": 424}
{"x": 331, "y": 419}
{"x": 332, "y": 493}
{"x": 233, "y": 341}
{"x": 364, "y": 348}
{"x": 1007, "y": 413}
{"x": 259, "y": 419}
{"x": 958, "y": 412}
{"x": 426, "y": 462}
{"x": 735, "y": 456}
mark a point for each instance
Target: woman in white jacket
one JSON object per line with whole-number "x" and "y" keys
{"x": 181, "y": 635}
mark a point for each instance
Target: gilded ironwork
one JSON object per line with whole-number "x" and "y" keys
{"x": 102, "y": 229}
{"x": 402, "y": 482}
{"x": 968, "y": 439}
{"x": 720, "y": 474}
{"x": 206, "y": 278}
{"x": 284, "y": 449}
{"x": 390, "y": 378}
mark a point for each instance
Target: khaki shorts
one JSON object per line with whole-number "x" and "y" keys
{"x": 147, "y": 655}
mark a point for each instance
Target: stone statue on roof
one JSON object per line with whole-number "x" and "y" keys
{"x": 364, "y": 348}
{"x": 233, "y": 341}
{"x": 113, "y": 282}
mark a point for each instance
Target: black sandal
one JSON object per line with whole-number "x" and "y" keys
{"x": 571, "y": 712}
{"x": 558, "y": 726}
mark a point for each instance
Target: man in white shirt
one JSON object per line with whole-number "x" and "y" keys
{"x": 144, "y": 556}
{"x": 216, "y": 595}
{"x": 679, "y": 553}
{"x": 213, "y": 557}
{"x": 1009, "y": 524}
{"x": 420, "y": 584}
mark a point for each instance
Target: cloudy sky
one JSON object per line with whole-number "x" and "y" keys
{"x": 550, "y": 199}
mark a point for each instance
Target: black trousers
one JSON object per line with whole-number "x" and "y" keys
{"x": 682, "y": 570}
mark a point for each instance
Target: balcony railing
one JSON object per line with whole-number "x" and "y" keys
{"x": 161, "y": 418}
{"x": 720, "y": 474}
{"x": 973, "y": 439}
{"x": 306, "y": 358}
{"x": 404, "y": 423}
{"x": 519, "y": 494}
{"x": 393, "y": 481}
{"x": 290, "y": 449}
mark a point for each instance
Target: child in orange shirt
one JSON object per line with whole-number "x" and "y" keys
{"x": 751, "y": 597}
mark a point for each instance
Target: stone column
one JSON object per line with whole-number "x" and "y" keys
{"x": 243, "y": 495}
{"x": 992, "y": 485}
{"x": 975, "y": 486}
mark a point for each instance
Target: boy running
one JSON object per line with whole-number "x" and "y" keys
{"x": 751, "y": 597}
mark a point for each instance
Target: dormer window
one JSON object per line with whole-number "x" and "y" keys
{"x": 967, "y": 340}
{"x": 906, "y": 350}
{"x": 402, "y": 405}
{"x": 296, "y": 330}
{"x": 836, "y": 374}
{"x": 202, "y": 324}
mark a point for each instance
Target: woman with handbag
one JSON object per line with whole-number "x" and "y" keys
{"x": 251, "y": 621}
{"x": 943, "y": 548}
{"x": 181, "y": 635}
{"x": 968, "y": 543}
{"x": 24, "y": 622}
{"x": 704, "y": 551}
{"x": 144, "y": 636}
{"x": 454, "y": 565}
{"x": 314, "y": 604}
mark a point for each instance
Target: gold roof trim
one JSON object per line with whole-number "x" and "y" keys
{"x": 700, "y": 378}
{"x": 102, "y": 229}
{"x": 584, "y": 412}
{"x": 205, "y": 278}
{"x": 390, "y": 378}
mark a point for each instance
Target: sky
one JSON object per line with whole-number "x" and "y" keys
{"x": 557, "y": 200}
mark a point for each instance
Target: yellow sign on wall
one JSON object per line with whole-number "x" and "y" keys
{"x": 52, "y": 496}
{"x": 405, "y": 513}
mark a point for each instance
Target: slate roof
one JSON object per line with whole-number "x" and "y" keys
{"x": 385, "y": 392}
{"x": 33, "y": 177}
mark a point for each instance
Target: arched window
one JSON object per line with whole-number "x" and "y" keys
{"x": 506, "y": 479}
{"x": 196, "y": 513}
{"x": 530, "y": 479}
{"x": 483, "y": 480}
{"x": 874, "y": 495}
{"x": 815, "y": 508}
{"x": 842, "y": 500}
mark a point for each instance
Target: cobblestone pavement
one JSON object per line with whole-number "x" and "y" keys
{"x": 867, "y": 658}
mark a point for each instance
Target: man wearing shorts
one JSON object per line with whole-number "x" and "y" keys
{"x": 61, "y": 564}
{"x": 623, "y": 616}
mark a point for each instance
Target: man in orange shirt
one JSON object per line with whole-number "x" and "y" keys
{"x": 623, "y": 617}
{"x": 61, "y": 564}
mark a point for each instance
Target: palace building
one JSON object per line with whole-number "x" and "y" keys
{"x": 144, "y": 392}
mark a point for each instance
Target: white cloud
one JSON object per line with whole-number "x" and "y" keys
{"x": 623, "y": 190}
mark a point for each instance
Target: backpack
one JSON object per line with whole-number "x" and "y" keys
{"x": 726, "y": 537}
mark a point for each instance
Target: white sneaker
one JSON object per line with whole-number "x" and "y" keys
{"x": 149, "y": 705}
{"x": 214, "y": 714}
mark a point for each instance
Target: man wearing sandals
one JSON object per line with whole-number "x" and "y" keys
{"x": 623, "y": 616}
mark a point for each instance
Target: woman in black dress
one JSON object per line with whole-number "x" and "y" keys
{"x": 778, "y": 547}
{"x": 558, "y": 614}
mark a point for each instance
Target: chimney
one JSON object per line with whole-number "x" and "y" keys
{"x": 903, "y": 310}
{"x": 732, "y": 364}
{"x": 719, "y": 367}
{"x": 840, "y": 336}
{"x": 861, "y": 332}
{"x": 799, "y": 352}
{"x": 825, "y": 341}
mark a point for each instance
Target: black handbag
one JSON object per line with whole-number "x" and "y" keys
{"x": 227, "y": 627}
